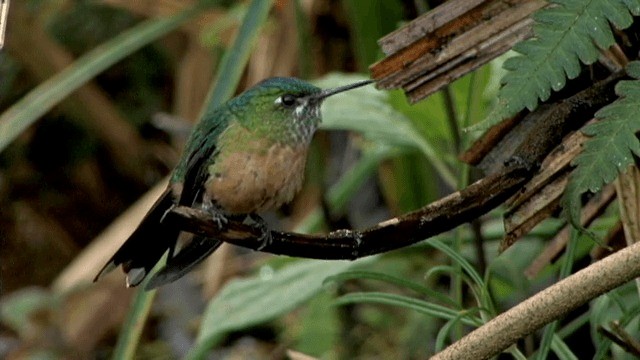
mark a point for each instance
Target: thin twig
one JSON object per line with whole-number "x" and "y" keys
{"x": 611, "y": 336}
{"x": 631, "y": 345}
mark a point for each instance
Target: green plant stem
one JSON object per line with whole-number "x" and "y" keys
{"x": 565, "y": 271}
{"x": 452, "y": 120}
{"x": 474, "y": 103}
{"x": 305, "y": 51}
{"x": 129, "y": 337}
{"x": 452, "y": 117}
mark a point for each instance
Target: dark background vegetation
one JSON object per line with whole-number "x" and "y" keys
{"x": 71, "y": 188}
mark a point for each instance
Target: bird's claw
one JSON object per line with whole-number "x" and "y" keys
{"x": 258, "y": 223}
{"x": 216, "y": 215}
{"x": 265, "y": 240}
{"x": 220, "y": 219}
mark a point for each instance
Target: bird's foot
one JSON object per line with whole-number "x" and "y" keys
{"x": 258, "y": 223}
{"x": 216, "y": 215}
{"x": 220, "y": 219}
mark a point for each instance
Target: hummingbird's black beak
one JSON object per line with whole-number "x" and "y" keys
{"x": 328, "y": 92}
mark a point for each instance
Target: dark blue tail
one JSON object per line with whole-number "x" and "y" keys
{"x": 151, "y": 239}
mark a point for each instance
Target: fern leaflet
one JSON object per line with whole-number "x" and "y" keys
{"x": 565, "y": 34}
{"x": 611, "y": 147}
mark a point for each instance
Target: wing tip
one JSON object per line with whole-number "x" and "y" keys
{"x": 135, "y": 276}
{"x": 107, "y": 268}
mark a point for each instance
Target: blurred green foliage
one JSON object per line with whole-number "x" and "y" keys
{"x": 404, "y": 304}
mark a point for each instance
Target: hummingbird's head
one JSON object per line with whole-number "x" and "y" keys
{"x": 288, "y": 109}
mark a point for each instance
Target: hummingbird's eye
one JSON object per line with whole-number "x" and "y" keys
{"x": 288, "y": 100}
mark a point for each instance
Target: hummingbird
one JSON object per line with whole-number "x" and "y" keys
{"x": 244, "y": 157}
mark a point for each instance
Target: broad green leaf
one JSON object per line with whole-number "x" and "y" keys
{"x": 246, "y": 302}
{"x": 320, "y": 326}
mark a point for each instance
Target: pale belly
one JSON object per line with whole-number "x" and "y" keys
{"x": 246, "y": 182}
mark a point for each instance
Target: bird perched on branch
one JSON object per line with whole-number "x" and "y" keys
{"x": 244, "y": 157}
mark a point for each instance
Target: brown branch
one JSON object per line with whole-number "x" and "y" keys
{"x": 435, "y": 218}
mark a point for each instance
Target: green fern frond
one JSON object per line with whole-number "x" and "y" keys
{"x": 565, "y": 34}
{"x": 611, "y": 147}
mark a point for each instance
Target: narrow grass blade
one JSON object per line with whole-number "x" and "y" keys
{"x": 423, "y": 307}
{"x": 46, "y": 95}
{"x": 234, "y": 60}
{"x": 129, "y": 337}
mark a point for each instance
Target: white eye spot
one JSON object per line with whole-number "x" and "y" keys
{"x": 278, "y": 100}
